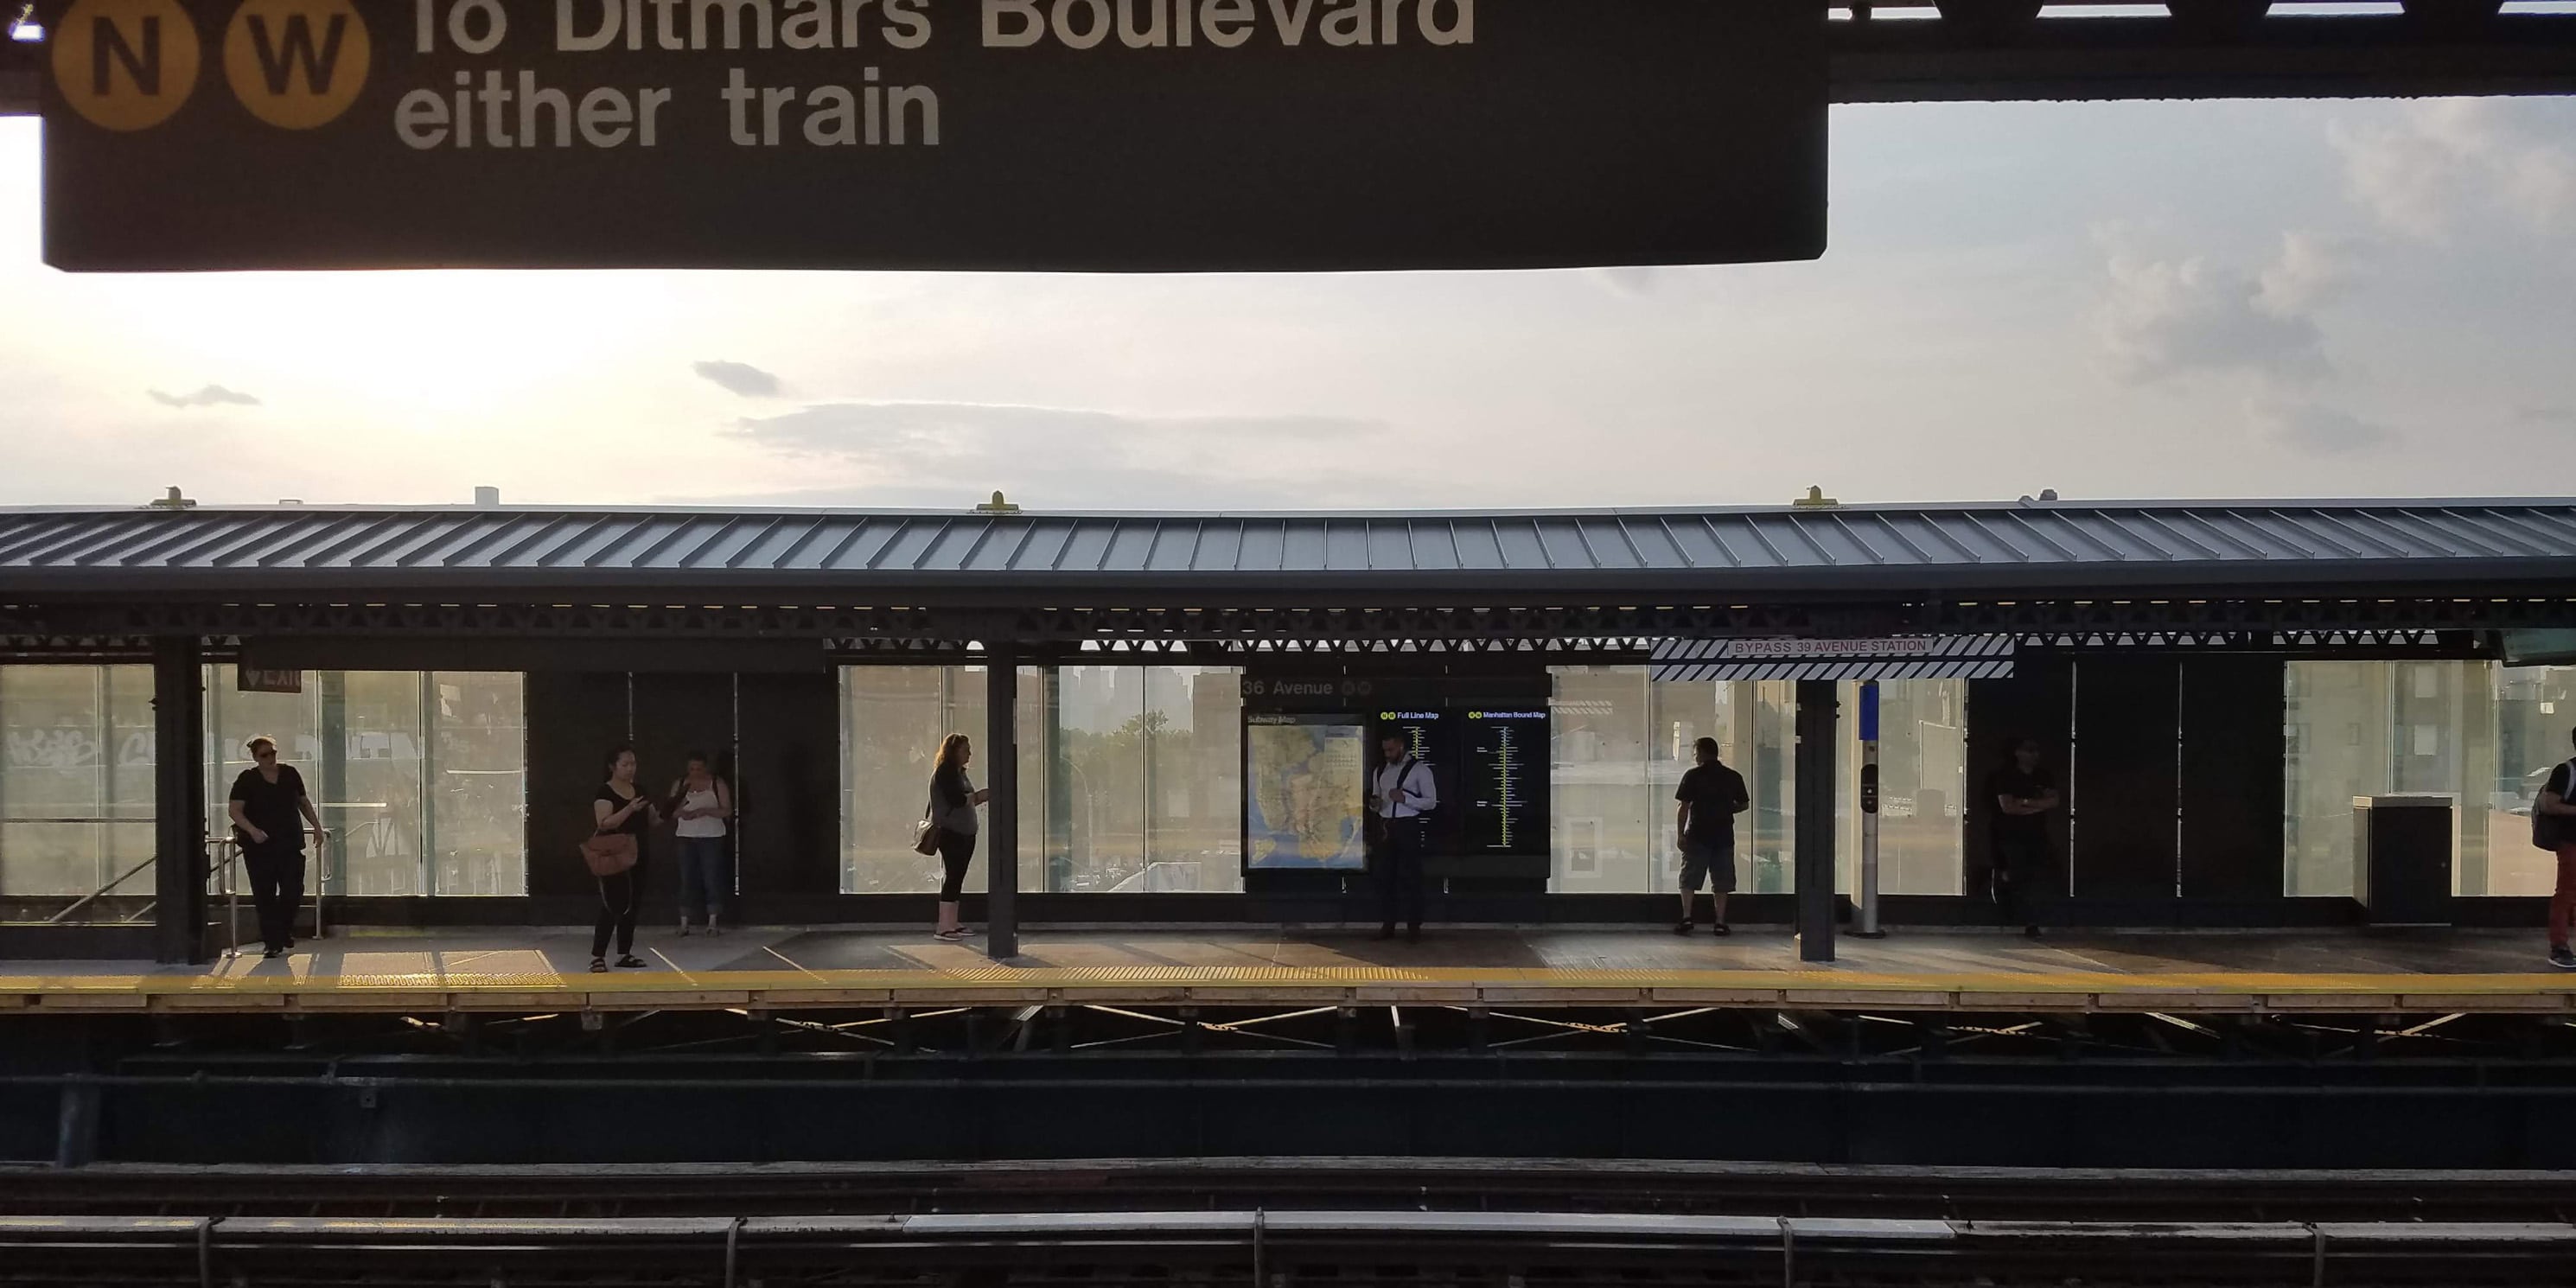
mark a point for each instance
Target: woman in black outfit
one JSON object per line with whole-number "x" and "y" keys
{"x": 620, "y": 807}
{"x": 953, "y": 799}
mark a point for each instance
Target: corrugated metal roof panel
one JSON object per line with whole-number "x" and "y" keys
{"x": 1480, "y": 547}
{"x": 1951, "y": 547}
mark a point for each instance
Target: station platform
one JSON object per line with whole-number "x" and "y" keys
{"x": 531, "y": 969}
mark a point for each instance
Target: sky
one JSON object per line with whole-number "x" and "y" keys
{"x": 2140, "y": 300}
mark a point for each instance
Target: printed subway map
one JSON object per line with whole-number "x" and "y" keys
{"x": 1303, "y": 787}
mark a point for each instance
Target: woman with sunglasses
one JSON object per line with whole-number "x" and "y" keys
{"x": 266, "y": 799}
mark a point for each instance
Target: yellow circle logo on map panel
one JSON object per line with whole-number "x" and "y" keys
{"x": 125, "y": 64}
{"x": 296, "y": 64}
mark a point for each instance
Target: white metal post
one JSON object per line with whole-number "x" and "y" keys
{"x": 1868, "y": 928}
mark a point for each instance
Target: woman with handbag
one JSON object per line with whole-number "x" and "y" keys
{"x": 621, "y": 813}
{"x": 950, "y": 822}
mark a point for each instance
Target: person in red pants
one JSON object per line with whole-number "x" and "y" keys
{"x": 2554, "y": 817}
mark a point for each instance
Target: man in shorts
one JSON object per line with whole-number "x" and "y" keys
{"x": 1711, "y": 795}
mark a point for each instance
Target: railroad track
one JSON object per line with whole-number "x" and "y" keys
{"x": 1264, "y": 1248}
{"x": 1464, "y": 1186}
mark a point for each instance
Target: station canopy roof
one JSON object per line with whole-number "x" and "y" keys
{"x": 299, "y": 552}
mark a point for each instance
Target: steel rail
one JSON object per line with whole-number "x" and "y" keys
{"x": 1438, "y": 1184}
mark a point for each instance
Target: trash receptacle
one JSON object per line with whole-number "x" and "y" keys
{"x": 2402, "y": 858}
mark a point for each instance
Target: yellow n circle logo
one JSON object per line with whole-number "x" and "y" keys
{"x": 297, "y": 64}
{"x": 125, "y": 64}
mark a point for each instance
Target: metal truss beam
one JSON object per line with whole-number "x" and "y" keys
{"x": 2119, "y": 1047}
{"x": 2339, "y": 1089}
{"x": 2445, "y": 626}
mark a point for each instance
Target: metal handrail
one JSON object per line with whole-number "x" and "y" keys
{"x": 226, "y": 887}
{"x": 87, "y": 899}
{"x": 231, "y": 848}
{"x": 94, "y": 895}
{"x": 326, "y": 871}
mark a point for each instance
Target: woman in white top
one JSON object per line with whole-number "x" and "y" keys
{"x": 700, "y": 804}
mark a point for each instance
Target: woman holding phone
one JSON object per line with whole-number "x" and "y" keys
{"x": 620, "y": 806}
{"x": 953, "y": 799}
{"x": 700, "y": 804}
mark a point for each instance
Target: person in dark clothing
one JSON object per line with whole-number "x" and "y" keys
{"x": 1403, "y": 794}
{"x": 2557, "y": 800}
{"x": 2024, "y": 795}
{"x": 953, "y": 799}
{"x": 1711, "y": 795}
{"x": 621, "y": 806}
{"x": 266, "y": 801}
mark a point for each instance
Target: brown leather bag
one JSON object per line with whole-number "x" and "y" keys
{"x": 608, "y": 853}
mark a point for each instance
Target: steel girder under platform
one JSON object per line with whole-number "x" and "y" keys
{"x": 2478, "y": 1091}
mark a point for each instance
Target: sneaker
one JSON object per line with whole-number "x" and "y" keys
{"x": 1720, "y": 928}
{"x": 948, "y": 936}
{"x": 684, "y": 930}
{"x": 2561, "y": 958}
{"x": 273, "y": 954}
{"x": 1682, "y": 928}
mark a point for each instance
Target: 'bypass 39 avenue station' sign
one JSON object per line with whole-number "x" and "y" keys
{"x": 1110, "y": 135}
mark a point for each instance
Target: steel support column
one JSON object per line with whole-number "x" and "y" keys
{"x": 1002, "y": 821}
{"x": 178, "y": 800}
{"x": 1055, "y": 848}
{"x": 1818, "y": 701}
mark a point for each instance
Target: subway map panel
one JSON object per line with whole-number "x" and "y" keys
{"x": 1303, "y": 778}
{"x": 1504, "y": 783}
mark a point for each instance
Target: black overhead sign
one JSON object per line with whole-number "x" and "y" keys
{"x": 1110, "y": 135}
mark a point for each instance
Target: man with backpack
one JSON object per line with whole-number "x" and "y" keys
{"x": 2553, "y": 827}
{"x": 1402, "y": 795}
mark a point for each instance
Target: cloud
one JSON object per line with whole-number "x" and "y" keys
{"x": 2314, "y": 270}
{"x": 2315, "y": 430}
{"x": 950, "y": 454}
{"x": 210, "y": 396}
{"x": 740, "y": 378}
{"x": 2164, "y": 318}
{"x": 2445, "y": 164}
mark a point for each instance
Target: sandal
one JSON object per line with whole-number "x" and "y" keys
{"x": 631, "y": 962}
{"x": 598, "y": 965}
